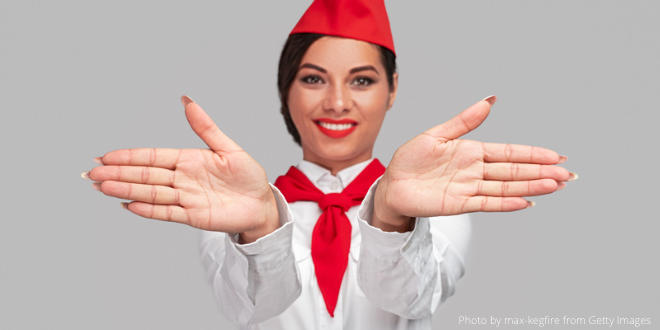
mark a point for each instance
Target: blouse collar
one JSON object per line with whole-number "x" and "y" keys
{"x": 318, "y": 174}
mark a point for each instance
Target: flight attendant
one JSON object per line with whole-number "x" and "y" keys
{"x": 340, "y": 241}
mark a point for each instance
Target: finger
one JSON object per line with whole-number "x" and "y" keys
{"x": 495, "y": 204}
{"x": 514, "y": 153}
{"x": 133, "y": 174}
{"x": 465, "y": 122}
{"x": 516, "y": 188}
{"x": 140, "y": 192}
{"x": 205, "y": 128}
{"x": 172, "y": 213}
{"x": 523, "y": 172}
{"x": 152, "y": 157}
{"x": 560, "y": 186}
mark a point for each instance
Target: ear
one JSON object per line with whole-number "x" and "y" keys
{"x": 392, "y": 95}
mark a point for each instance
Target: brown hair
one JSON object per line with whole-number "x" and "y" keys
{"x": 294, "y": 49}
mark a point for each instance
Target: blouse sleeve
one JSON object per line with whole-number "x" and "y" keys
{"x": 410, "y": 274}
{"x": 253, "y": 282}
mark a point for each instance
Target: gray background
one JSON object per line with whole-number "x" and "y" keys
{"x": 81, "y": 78}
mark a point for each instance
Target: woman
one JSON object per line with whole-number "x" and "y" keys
{"x": 330, "y": 246}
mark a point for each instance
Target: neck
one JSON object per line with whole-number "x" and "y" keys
{"x": 334, "y": 166}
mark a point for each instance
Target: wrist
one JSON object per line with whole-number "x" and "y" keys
{"x": 385, "y": 217}
{"x": 270, "y": 223}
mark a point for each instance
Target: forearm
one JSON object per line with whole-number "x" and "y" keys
{"x": 398, "y": 272}
{"x": 409, "y": 274}
{"x": 256, "y": 281}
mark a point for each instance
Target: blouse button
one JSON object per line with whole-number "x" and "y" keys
{"x": 335, "y": 186}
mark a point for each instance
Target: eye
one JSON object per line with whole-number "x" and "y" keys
{"x": 312, "y": 80}
{"x": 363, "y": 81}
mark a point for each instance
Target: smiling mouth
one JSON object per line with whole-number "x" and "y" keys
{"x": 336, "y": 128}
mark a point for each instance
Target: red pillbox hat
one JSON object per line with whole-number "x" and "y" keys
{"x": 364, "y": 20}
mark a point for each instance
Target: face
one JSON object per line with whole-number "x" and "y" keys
{"x": 338, "y": 101}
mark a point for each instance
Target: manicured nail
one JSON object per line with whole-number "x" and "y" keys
{"x": 572, "y": 177}
{"x": 96, "y": 186}
{"x": 85, "y": 175}
{"x": 530, "y": 204}
{"x": 98, "y": 160}
{"x": 124, "y": 205}
{"x": 491, "y": 100}
{"x": 186, "y": 100}
{"x": 562, "y": 159}
{"x": 560, "y": 186}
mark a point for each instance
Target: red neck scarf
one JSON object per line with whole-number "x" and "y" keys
{"x": 331, "y": 238}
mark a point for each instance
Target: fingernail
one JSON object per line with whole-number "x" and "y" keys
{"x": 572, "y": 177}
{"x": 530, "y": 204}
{"x": 98, "y": 160}
{"x": 124, "y": 205}
{"x": 491, "y": 100}
{"x": 96, "y": 186}
{"x": 560, "y": 186}
{"x": 186, "y": 100}
{"x": 85, "y": 175}
{"x": 562, "y": 159}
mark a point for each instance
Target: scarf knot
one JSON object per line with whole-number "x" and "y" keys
{"x": 335, "y": 199}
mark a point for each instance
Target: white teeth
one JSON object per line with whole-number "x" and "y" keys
{"x": 335, "y": 127}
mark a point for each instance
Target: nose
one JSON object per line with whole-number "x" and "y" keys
{"x": 338, "y": 98}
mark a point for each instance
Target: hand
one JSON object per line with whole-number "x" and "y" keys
{"x": 221, "y": 189}
{"x": 437, "y": 174}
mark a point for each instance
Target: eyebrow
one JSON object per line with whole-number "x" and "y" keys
{"x": 312, "y": 66}
{"x": 364, "y": 68}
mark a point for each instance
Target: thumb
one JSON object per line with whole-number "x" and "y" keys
{"x": 205, "y": 128}
{"x": 465, "y": 122}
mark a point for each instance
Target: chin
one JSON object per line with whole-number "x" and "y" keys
{"x": 338, "y": 152}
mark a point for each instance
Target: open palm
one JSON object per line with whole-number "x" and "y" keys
{"x": 219, "y": 189}
{"x": 436, "y": 173}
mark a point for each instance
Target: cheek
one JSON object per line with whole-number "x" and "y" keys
{"x": 374, "y": 106}
{"x": 302, "y": 105}
{"x": 299, "y": 116}
{"x": 295, "y": 105}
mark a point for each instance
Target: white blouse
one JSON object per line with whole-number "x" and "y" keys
{"x": 392, "y": 281}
